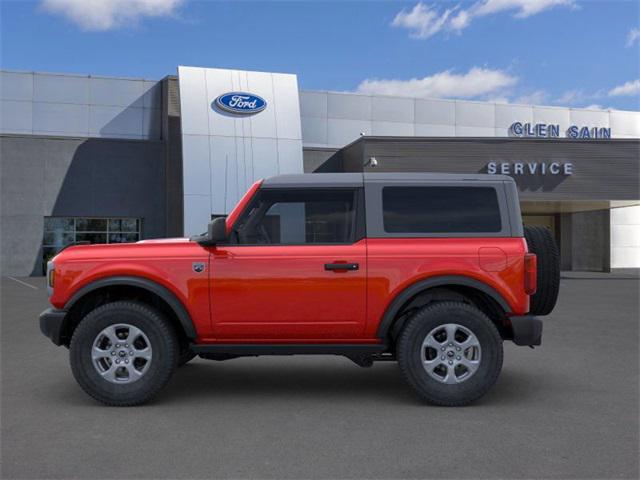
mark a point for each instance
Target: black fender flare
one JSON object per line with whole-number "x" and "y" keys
{"x": 405, "y": 295}
{"x": 167, "y": 295}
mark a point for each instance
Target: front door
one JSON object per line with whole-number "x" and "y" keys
{"x": 294, "y": 269}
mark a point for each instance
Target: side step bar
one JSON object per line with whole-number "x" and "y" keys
{"x": 362, "y": 354}
{"x": 290, "y": 348}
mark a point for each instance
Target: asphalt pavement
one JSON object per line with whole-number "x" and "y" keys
{"x": 568, "y": 409}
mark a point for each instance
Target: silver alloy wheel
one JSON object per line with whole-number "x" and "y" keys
{"x": 450, "y": 353}
{"x": 121, "y": 353}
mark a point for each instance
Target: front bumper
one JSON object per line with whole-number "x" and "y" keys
{"x": 52, "y": 323}
{"x": 527, "y": 330}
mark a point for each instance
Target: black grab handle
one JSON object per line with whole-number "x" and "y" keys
{"x": 341, "y": 266}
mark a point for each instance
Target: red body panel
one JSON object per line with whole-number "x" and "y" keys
{"x": 284, "y": 293}
{"x": 166, "y": 262}
{"x": 395, "y": 263}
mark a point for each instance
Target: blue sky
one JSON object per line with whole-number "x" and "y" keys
{"x": 562, "y": 52}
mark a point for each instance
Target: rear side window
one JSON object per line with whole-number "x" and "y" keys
{"x": 440, "y": 210}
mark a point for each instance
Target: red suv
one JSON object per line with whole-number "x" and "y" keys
{"x": 431, "y": 270}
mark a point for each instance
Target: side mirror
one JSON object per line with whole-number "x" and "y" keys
{"x": 216, "y": 233}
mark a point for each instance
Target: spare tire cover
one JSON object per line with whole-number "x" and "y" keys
{"x": 541, "y": 242}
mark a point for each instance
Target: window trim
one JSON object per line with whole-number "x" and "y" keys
{"x": 357, "y": 221}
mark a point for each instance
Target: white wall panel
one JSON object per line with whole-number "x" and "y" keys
{"x": 389, "y": 109}
{"x": 285, "y": 89}
{"x": 116, "y": 92}
{"x": 241, "y": 148}
{"x": 313, "y": 104}
{"x": 506, "y": 115}
{"x": 114, "y": 121}
{"x": 392, "y": 129}
{"x": 462, "y": 131}
{"x": 194, "y": 104}
{"x": 435, "y": 112}
{"x": 625, "y": 237}
{"x": 552, "y": 115}
{"x": 349, "y": 106}
{"x": 16, "y": 117}
{"x": 593, "y": 118}
{"x": 263, "y": 124}
{"x": 342, "y": 132}
{"x": 425, "y": 130}
{"x": 60, "y": 89}
{"x": 624, "y": 123}
{"x": 61, "y": 118}
{"x": 16, "y": 86}
{"x": 197, "y": 214}
{"x": 471, "y": 114}
{"x": 197, "y": 174}
{"x": 314, "y": 130}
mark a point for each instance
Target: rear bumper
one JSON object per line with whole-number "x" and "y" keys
{"x": 527, "y": 330}
{"x": 52, "y": 324}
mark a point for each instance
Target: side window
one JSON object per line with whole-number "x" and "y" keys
{"x": 440, "y": 210}
{"x": 295, "y": 217}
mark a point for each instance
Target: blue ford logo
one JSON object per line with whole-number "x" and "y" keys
{"x": 240, "y": 103}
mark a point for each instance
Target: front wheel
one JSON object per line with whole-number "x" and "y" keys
{"x": 450, "y": 353}
{"x": 123, "y": 353}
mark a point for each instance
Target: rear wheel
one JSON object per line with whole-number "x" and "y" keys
{"x": 450, "y": 353}
{"x": 541, "y": 242}
{"x": 123, "y": 353}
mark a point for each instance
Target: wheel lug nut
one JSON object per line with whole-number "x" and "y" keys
{"x": 458, "y": 348}
{"x": 131, "y": 353}
{"x": 442, "y": 358}
{"x": 117, "y": 361}
{"x": 126, "y": 345}
{"x": 457, "y": 358}
{"x": 443, "y": 349}
{"x": 117, "y": 345}
{"x": 126, "y": 360}
{"x": 113, "y": 353}
{"x": 451, "y": 344}
{"x": 450, "y": 362}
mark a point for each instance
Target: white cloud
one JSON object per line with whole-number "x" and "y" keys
{"x": 421, "y": 21}
{"x": 475, "y": 83}
{"x": 633, "y": 36}
{"x": 424, "y": 22}
{"x": 595, "y": 106}
{"x": 629, "y": 88}
{"x": 99, "y": 15}
{"x": 538, "y": 97}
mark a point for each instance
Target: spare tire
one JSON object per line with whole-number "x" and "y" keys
{"x": 541, "y": 242}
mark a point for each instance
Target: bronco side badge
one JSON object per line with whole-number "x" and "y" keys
{"x": 198, "y": 267}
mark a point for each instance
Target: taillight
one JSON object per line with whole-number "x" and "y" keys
{"x": 530, "y": 273}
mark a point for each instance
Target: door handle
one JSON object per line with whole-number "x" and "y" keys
{"x": 341, "y": 266}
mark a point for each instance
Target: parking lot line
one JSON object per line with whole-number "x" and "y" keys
{"x": 23, "y": 283}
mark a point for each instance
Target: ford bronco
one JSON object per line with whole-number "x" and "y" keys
{"x": 433, "y": 271}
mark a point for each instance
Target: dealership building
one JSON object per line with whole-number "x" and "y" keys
{"x": 105, "y": 160}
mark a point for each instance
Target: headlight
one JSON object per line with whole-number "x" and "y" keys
{"x": 51, "y": 277}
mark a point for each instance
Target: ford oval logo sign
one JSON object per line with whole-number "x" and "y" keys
{"x": 240, "y": 103}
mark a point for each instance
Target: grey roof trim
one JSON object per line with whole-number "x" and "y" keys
{"x": 417, "y": 177}
{"x": 306, "y": 180}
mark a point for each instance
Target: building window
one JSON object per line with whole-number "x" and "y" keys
{"x": 62, "y": 231}
{"x": 440, "y": 210}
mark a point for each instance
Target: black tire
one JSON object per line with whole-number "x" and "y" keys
{"x": 163, "y": 362}
{"x": 185, "y": 357}
{"x": 411, "y": 354}
{"x": 541, "y": 242}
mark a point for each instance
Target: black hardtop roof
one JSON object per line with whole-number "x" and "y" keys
{"x": 305, "y": 180}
